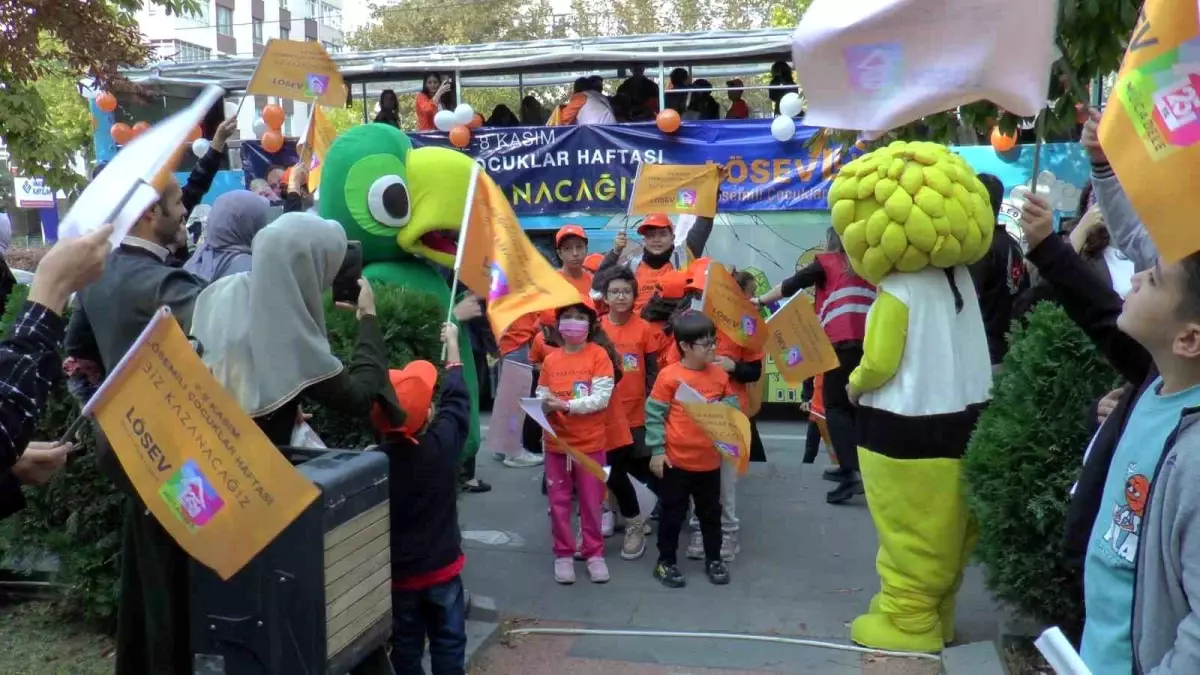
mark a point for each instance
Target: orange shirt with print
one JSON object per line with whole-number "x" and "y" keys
{"x": 647, "y": 279}
{"x": 569, "y": 376}
{"x": 636, "y": 341}
{"x": 688, "y": 446}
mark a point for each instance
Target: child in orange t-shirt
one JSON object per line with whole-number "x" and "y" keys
{"x": 575, "y": 385}
{"x": 639, "y": 346}
{"x": 685, "y": 460}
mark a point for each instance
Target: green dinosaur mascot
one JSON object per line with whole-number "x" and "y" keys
{"x": 406, "y": 206}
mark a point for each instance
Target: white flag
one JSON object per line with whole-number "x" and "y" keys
{"x": 873, "y": 65}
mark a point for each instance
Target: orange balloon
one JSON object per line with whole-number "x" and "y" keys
{"x": 139, "y": 128}
{"x": 1002, "y": 142}
{"x": 106, "y": 102}
{"x": 668, "y": 121}
{"x": 272, "y": 141}
{"x": 121, "y": 133}
{"x": 273, "y": 116}
{"x": 460, "y": 136}
{"x": 195, "y": 133}
{"x": 476, "y": 122}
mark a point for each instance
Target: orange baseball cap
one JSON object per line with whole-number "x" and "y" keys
{"x": 414, "y": 385}
{"x": 592, "y": 262}
{"x": 673, "y": 285}
{"x": 569, "y": 231}
{"x": 654, "y": 220}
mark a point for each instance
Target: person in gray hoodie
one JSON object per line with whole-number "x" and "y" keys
{"x": 1133, "y": 524}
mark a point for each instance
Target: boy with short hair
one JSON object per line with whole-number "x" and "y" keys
{"x": 684, "y": 458}
{"x": 1134, "y": 518}
{"x": 427, "y": 591}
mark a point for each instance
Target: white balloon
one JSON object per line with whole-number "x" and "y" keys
{"x": 200, "y": 147}
{"x": 791, "y": 105}
{"x": 783, "y": 128}
{"x": 231, "y": 109}
{"x": 463, "y": 114}
{"x": 260, "y": 127}
{"x": 444, "y": 120}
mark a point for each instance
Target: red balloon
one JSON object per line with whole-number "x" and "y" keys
{"x": 460, "y": 136}
{"x": 668, "y": 121}
{"x": 195, "y": 133}
{"x": 1002, "y": 142}
{"x": 121, "y": 133}
{"x": 273, "y": 116}
{"x": 106, "y": 102}
{"x": 139, "y": 128}
{"x": 272, "y": 141}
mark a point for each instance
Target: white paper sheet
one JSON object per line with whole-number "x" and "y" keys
{"x": 128, "y": 177}
{"x": 686, "y": 394}
{"x": 1059, "y": 653}
{"x": 533, "y": 408}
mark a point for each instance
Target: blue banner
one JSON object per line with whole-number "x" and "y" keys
{"x": 547, "y": 170}
{"x": 256, "y": 160}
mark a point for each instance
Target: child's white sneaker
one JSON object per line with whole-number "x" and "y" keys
{"x": 564, "y": 570}
{"x": 597, "y": 571}
{"x": 608, "y": 524}
{"x": 695, "y": 549}
{"x": 635, "y": 540}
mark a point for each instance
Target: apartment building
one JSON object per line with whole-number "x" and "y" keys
{"x": 241, "y": 29}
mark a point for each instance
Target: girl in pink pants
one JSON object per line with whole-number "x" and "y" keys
{"x": 575, "y": 385}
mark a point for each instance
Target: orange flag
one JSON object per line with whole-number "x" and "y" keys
{"x": 317, "y": 142}
{"x": 1151, "y": 127}
{"x": 498, "y": 262}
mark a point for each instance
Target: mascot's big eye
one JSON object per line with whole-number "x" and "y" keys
{"x": 388, "y": 201}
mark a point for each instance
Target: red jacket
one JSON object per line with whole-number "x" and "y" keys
{"x": 842, "y": 302}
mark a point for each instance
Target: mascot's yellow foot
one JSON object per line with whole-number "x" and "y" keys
{"x": 878, "y": 632}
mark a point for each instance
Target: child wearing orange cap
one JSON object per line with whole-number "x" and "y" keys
{"x": 575, "y": 385}
{"x": 639, "y": 346}
{"x": 426, "y": 554}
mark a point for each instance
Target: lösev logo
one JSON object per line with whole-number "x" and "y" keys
{"x": 191, "y": 496}
{"x": 685, "y": 199}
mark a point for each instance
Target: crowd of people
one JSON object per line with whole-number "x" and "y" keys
{"x": 635, "y": 99}
{"x": 609, "y": 370}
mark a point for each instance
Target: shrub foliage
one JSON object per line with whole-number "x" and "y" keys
{"x": 77, "y": 516}
{"x": 1023, "y": 458}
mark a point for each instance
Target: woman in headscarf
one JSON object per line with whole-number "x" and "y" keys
{"x": 273, "y": 352}
{"x": 232, "y": 223}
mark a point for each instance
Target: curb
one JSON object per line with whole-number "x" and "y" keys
{"x": 976, "y": 658}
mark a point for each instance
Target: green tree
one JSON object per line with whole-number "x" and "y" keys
{"x": 48, "y": 46}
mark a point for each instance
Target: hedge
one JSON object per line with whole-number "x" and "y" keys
{"x": 1024, "y": 456}
{"x": 77, "y": 516}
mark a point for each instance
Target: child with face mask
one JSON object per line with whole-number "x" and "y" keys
{"x": 575, "y": 385}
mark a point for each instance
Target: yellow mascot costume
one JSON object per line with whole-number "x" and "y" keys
{"x": 911, "y": 217}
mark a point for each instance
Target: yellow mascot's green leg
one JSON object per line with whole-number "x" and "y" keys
{"x": 920, "y": 517}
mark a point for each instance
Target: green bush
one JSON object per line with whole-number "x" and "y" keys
{"x": 77, "y": 516}
{"x": 1023, "y": 458}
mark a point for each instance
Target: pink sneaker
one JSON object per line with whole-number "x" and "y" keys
{"x": 564, "y": 570}
{"x": 598, "y": 571}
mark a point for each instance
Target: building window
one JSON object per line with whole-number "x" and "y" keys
{"x": 331, "y": 47}
{"x": 331, "y": 16}
{"x": 257, "y": 24}
{"x": 312, "y": 9}
{"x": 285, "y": 33}
{"x": 224, "y": 21}
{"x": 283, "y": 4}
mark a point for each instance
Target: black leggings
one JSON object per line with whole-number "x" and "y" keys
{"x": 840, "y": 416}
{"x": 631, "y": 460}
{"x": 531, "y": 433}
{"x": 704, "y": 489}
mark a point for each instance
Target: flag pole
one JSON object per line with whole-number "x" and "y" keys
{"x": 462, "y": 242}
{"x": 1040, "y": 131}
